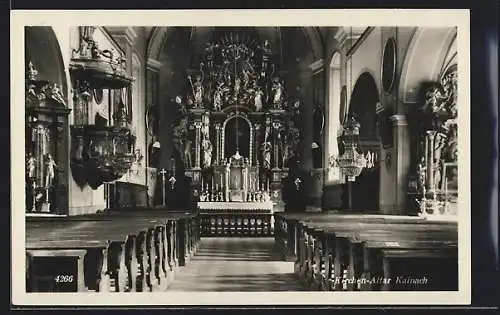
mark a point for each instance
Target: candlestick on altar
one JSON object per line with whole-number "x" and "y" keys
{"x": 163, "y": 172}
{"x": 34, "y": 197}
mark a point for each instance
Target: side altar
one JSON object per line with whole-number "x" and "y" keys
{"x": 235, "y": 131}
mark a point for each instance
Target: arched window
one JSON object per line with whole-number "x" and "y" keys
{"x": 333, "y": 115}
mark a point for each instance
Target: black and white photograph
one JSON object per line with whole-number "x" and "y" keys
{"x": 278, "y": 158}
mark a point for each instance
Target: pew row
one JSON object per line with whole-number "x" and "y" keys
{"x": 334, "y": 251}
{"x": 112, "y": 252}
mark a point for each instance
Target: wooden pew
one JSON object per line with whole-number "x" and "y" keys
{"x": 71, "y": 264}
{"x": 137, "y": 260}
{"x": 317, "y": 265}
{"x": 120, "y": 252}
{"x": 345, "y": 248}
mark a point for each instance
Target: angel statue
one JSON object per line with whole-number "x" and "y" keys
{"x": 435, "y": 106}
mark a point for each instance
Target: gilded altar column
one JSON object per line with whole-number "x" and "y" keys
{"x": 197, "y": 125}
{"x": 429, "y": 148}
{"x": 276, "y": 126}
{"x": 256, "y": 144}
{"x": 218, "y": 145}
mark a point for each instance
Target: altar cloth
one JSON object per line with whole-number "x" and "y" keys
{"x": 222, "y": 205}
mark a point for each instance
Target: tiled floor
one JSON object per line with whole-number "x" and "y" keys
{"x": 236, "y": 264}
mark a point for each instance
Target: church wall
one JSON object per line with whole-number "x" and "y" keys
{"x": 366, "y": 57}
{"x": 298, "y": 59}
{"x": 331, "y": 192}
{"x": 84, "y": 200}
{"x": 172, "y": 82}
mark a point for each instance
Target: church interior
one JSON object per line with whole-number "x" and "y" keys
{"x": 241, "y": 159}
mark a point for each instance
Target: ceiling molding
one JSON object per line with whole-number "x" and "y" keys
{"x": 317, "y": 66}
{"x": 340, "y": 36}
{"x": 358, "y": 38}
{"x": 154, "y": 64}
{"x": 128, "y": 34}
{"x": 347, "y": 33}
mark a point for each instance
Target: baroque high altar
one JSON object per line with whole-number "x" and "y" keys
{"x": 237, "y": 128}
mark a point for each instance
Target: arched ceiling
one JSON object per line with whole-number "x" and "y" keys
{"x": 283, "y": 40}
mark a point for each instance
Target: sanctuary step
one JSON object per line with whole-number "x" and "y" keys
{"x": 247, "y": 264}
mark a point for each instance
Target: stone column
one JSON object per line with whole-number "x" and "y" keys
{"x": 401, "y": 159}
{"x": 197, "y": 125}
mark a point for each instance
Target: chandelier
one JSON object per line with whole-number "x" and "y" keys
{"x": 351, "y": 162}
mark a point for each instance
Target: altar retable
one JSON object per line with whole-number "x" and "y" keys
{"x": 242, "y": 133}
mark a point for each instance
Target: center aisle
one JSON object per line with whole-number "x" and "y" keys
{"x": 236, "y": 264}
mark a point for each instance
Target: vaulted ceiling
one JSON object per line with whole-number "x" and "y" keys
{"x": 290, "y": 45}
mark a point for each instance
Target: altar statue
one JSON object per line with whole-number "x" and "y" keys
{"x": 207, "y": 153}
{"x": 50, "y": 166}
{"x": 197, "y": 89}
{"x": 266, "y": 154}
{"x": 237, "y": 86}
{"x": 421, "y": 173}
{"x": 451, "y": 146}
{"x": 278, "y": 93}
{"x": 285, "y": 152}
{"x": 218, "y": 97}
{"x": 268, "y": 130}
{"x": 187, "y": 153}
{"x": 205, "y": 127}
{"x": 258, "y": 98}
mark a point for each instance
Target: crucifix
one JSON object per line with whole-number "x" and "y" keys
{"x": 163, "y": 172}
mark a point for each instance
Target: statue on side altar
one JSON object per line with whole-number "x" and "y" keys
{"x": 421, "y": 174}
{"x": 31, "y": 166}
{"x": 50, "y": 166}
